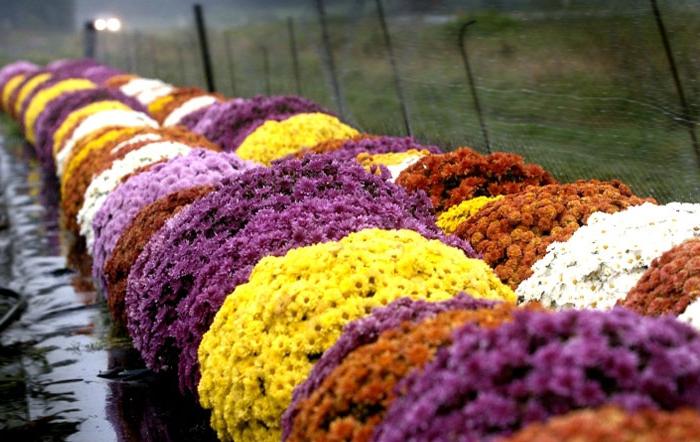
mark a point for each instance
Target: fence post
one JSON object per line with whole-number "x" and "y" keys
{"x": 325, "y": 41}
{"x": 230, "y": 61}
{"x": 89, "y": 39}
{"x": 294, "y": 53}
{"x": 394, "y": 67}
{"x": 472, "y": 83}
{"x": 685, "y": 108}
{"x": 204, "y": 46}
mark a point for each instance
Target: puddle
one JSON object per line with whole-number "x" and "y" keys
{"x": 65, "y": 372}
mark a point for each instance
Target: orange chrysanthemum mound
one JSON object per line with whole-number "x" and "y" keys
{"x": 118, "y": 81}
{"x": 352, "y": 400}
{"x": 450, "y": 178}
{"x": 135, "y": 237}
{"x": 613, "y": 424}
{"x": 671, "y": 283}
{"x": 514, "y": 232}
{"x": 102, "y": 158}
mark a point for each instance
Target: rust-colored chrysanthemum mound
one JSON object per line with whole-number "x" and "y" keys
{"x": 118, "y": 81}
{"x": 92, "y": 156}
{"x": 613, "y": 424}
{"x": 671, "y": 283}
{"x": 149, "y": 220}
{"x": 352, "y": 400}
{"x": 100, "y": 157}
{"x": 514, "y": 232}
{"x": 453, "y": 177}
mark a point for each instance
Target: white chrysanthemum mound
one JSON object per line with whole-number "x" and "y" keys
{"x": 396, "y": 169}
{"x": 100, "y": 120}
{"x": 107, "y": 181}
{"x": 150, "y": 95}
{"x": 136, "y": 86}
{"x": 604, "y": 259}
{"x": 691, "y": 315}
{"x": 189, "y": 106}
{"x": 139, "y": 138}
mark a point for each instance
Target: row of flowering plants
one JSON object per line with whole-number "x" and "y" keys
{"x": 304, "y": 280}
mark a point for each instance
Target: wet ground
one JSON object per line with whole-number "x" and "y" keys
{"x": 66, "y": 373}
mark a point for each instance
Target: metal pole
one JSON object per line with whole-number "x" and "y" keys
{"x": 394, "y": 67}
{"x": 325, "y": 41}
{"x": 294, "y": 53}
{"x": 472, "y": 83}
{"x": 685, "y": 108}
{"x": 230, "y": 61}
{"x": 89, "y": 39}
{"x": 204, "y": 47}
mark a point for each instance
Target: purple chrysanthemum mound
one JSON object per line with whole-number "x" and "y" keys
{"x": 100, "y": 74}
{"x": 199, "y": 167}
{"x": 273, "y": 232}
{"x": 229, "y": 123}
{"x": 376, "y": 145}
{"x": 57, "y": 110}
{"x": 491, "y": 382}
{"x": 13, "y": 69}
{"x": 365, "y": 331}
{"x": 14, "y": 95}
{"x": 56, "y": 78}
{"x": 71, "y": 66}
{"x": 165, "y": 271}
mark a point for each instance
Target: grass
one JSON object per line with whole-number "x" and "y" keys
{"x": 587, "y": 95}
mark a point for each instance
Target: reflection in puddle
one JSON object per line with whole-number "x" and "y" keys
{"x": 65, "y": 372}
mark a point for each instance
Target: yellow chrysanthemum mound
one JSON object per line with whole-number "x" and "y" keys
{"x": 74, "y": 118}
{"x": 271, "y": 330}
{"x": 12, "y": 84}
{"x": 27, "y": 89}
{"x": 451, "y": 218}
{"x": 275, "y": 139}
{"x": 45, "y": 96}
{"x": 157, "y": 105}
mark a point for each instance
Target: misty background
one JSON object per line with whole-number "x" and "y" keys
{"x": 583, "y": 87}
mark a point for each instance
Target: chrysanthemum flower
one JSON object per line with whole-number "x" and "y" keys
{"x": 452, "y": 177}
{"x": 670, "y": 284}
{"x": 604, "y": 259}
{"x": 492, "y": 382}
{"x": 514, "y": 232}
{"x": 270, "y": 330}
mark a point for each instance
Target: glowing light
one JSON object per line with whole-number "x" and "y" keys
{"x": 100, "y": 24}
{"x": 114, "y": 24}
{"x": 111, "y": 24}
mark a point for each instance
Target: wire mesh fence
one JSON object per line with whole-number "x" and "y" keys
{"x": 587, "y": 89}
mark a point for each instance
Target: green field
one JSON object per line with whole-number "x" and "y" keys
{"x": 587, "y": 94}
